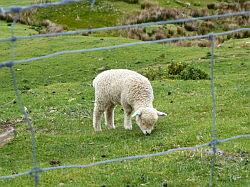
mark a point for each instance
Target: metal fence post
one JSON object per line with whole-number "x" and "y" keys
{"x": 214, "y": 137}
{"x": 23, "y": 109}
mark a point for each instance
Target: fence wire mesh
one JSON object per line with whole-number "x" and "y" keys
{"x": 36, "y": 170}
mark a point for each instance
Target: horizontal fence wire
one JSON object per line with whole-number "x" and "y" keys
{"x": 142, "y": 25}
{"x": 170, "y": 151}
{"x": 10, "y": 63}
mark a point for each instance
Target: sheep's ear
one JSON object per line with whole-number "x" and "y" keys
{"x": 137, "y": 113}
{"x": 161, "y": 113}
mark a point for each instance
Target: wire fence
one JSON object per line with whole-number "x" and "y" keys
{"x": 36, "y": 170}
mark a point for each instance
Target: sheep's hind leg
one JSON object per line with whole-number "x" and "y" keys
{"x": 127, "y": 116}
{"x": 109, "y": 117}
{"x": 97, "y": 116}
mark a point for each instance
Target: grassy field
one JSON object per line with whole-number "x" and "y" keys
{"x": 103, "y": 13}
{"x": 58, "y": 95}
{"x": 7, "y": 3}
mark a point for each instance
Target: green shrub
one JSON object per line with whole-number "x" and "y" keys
{"x": 211, "y": 6}
{"x": 192, "y": 73}
{"x": 183, "y": 71}
{"x": 131, "y": 1}
{"x": 41, "y": 1}
{"x": 175, "y": 68}
{"x": 191, "y": 26}
{"x": 181, "y": 31}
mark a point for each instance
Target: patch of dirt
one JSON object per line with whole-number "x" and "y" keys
{"x": 6, "y": 125}
{"x": 7, "y": 131}
{"x": 7, "y": 136}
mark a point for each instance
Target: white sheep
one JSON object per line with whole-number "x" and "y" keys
{"x": 130, "y": 89}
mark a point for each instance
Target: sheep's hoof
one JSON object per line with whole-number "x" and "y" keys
{"x": 111, "y": 126}
{"x": 98, "y": 129}
{"x": 128, "y": 127}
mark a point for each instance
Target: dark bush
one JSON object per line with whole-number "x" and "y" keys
{"x": 131, "y": 1}
{"x": 203, "y": 30}
{"x": 246, "y": 34}
{"x": 234, "y": 6}
{"x": 159, "y": 34}
{"x": 238, "y": 35}
{"x": 222, "y": 6}
{"x": 228, "y": 26}
{"x": 192, "y": 73}
{"x": 211, "y": 6}
{"x": 191, "y": 26}
{"x": 184, "y": 43}
{"x": 208, "y": 24}
{"x": 138, "y": 34}
{"x": 183, "y": 71}
{"x": 181, "y": 31}
{"x": 148, "y": 4}
{"x": 204, "y": 43}
{"x": 199, "y": 12}
{"x": 171, "y": 31}
{"x": 175, "y": 68}
{"x": 246, "y": 5}
{"x": 41, "y": 1}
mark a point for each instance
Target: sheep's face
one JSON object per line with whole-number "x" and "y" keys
{"x": 146, "y": 119}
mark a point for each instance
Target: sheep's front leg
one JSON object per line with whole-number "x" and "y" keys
{"x": 127, "y": 116}
{"x": 109, "y": 117}
{"x": 97, "y": 116}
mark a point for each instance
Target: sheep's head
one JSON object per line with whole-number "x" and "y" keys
{"x": 146, "y": 118}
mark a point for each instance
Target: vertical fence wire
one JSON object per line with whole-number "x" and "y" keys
{"x": 214, "y": 128}
{"x": 91, "y": 4}
{"x": 23, "y": 109}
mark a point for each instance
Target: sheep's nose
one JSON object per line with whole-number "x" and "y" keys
{"x": 146, "y": 132}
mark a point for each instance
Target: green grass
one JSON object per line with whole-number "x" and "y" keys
{"x": 59, "y": 96}
{"x": 7, "y": 3}
{"x": 103, "y": 13}
{"x": 20, "y": 30}
{"x": 80, "y": 15}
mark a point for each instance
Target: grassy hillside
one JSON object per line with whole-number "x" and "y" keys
{"x": 113, "y": 12}
{"x": 20, "y": 30}
{"x": 167, "y": 3}
{"x": 7, "y": 3}
{"x": 58, "y": 95}
{"x": 103, "y": 13}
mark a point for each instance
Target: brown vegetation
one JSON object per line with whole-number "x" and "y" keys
{"x": 153, "y": 12}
